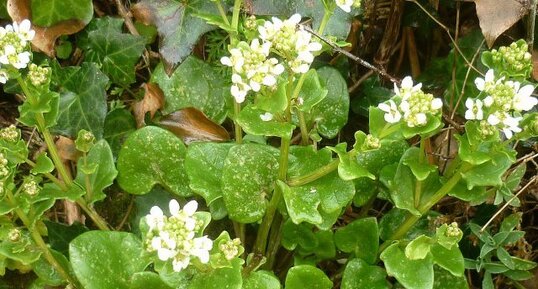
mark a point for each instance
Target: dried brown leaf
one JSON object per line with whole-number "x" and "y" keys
{"x": 45, "y": 37}
{"x": 66, "y": 149}
{"x": 153, "y": 100}
{"x": 496, "y": 16}
{"x": 142, "y": 13}
{"x": 192, "y": 125}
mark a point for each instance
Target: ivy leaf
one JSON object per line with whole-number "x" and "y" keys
{"x": 83, "y": 99}
{"x": 359, "y": 274}
{"x": 248, "y": 176}
{"x": 197, "y": 84}
{"x": 412, "y": 274}
{"x": 150, "y": 156}
{"x": 306, "y": 276}
{"x": 177, "y": 25}
{"x": 100, "y": 156}
{"x": 331, "y": 113}
{"x": 204, "y": 164}
{"x": 113, "y": 256}
{"x": 116, "y": 52}
{"x": 363, "y": 245}
{"x": 49, "y": 12}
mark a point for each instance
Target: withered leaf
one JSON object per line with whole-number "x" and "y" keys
{"x": 66, "y": 149}
{"x": 192, "y": 125}
{"x": 153, "y": 100}
{"x": 45, "y": 37}
{"x": 496, "y": 16}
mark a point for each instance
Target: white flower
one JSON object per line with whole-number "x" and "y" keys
{"x": 3, "y": 76}
{"x": 474, "y": 109}
{"x": 523, "y": 101}
{"x": 190, "y": 208}
{"x": 179, "y": 264}
{"x": 24, "y": 31}
{"x": 392, "y": 114}
{"x": 345, "y": 5}
{"x": 155, "y": 219}
{"x": 266, "y": 116}
{"x": 239, "y": 88}
{"x": 436, "y": 104}
{"x": 406, "y": 88}
{"x": 488, "y": 101}
{"x": 493, "y": 119}
{"x": 510, "y": 125}
{"x": 174, "y": 207}
{"x": 481, "y": 82}
{"x": 201, "y": 248}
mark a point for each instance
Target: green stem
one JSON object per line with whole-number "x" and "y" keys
{"x": 326, "y": 16}
{"x": 222, "y": 12}
{"x": 274, "y": 241}
{"x": 418, "y": 183}
{"x": 319, "y": 173}
{"x": 96, "y": 218}
{"x": 303, "y": 127}
{"x": 235, "y": 15}
{"x": 89, "y": 190}
{"x": 388, "y": 129}
{"x": 38, "y": 239}
{"x": 410, "y": 220}
{"x": 237, "y": 127}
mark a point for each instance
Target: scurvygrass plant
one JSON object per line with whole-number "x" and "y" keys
{"x": 263, "y": 211}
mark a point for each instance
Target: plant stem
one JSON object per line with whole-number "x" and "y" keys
{"x": 235, "y": 15}
{"x": 274, "y": 241}
{"x": 96, "y": 218}
{"x": 89, "y": 190}
{"x": 222, "y": 12}
{"x": 411, "y": 219}
{"x": 326, "y": 16}
{"x": 418, "y": 183}
{"x": 303, "y": 127}
{"x": 237, "y": 127}
{"x": 38, "y": 239}
{"x": 319, "y": 173}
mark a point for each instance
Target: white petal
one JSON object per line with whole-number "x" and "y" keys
{"x": 488, "y": 101}
{"x": 314, "y": 46}
{"x": 480, "y": 83}
{"x": 421, "y": 118}
{"x": 226, "y": 61}
{"x": 469, "y": 114}
{"x": 278, "y": 69}
{"x": 255, "y": 85}
{"x": 437, "y": 103}
{"x": 295, "y": 18}
{"x": 384, "y": 107}
{"x": 156, "y": 212}
{"x": 174, "y": 207}
{"x": 493, "y": 119}
{"x": 407, "y": 82}
{"x": 490, "y": 75}
{"x": 269, "y": 80}
{"x": 25, "y": 25}
{"x": 469, "y": 103}
{"x": 526, "y": 90}
{"x": 190, "y": 208}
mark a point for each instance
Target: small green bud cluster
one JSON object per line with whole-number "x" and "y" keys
{"x": 14, "y": 235}
{"x": 371, "y": 142}
{"x": 10, "y": 134}
{"x": 84, "y": 141}
{"x": 30, "y": 186}
{"x": 514, "y": 58}
{"x": 453, "y": 230}
{"x": 231, "y": 248}
{"x": 38, "y": 75}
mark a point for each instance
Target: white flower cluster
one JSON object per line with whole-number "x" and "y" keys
{"x": 414, "y": 106}
{"x": 504, "y": 101}
{"x": 292, "y": 43}
{"x": 251, "y": 68}
{"x": 347, "y": 4}
{"x": 174, "y": 238}
{"x": 14, "y": 48}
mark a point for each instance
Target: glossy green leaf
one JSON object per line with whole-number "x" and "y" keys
{"x": 444, "y": 280}
{"x": 261, "y": 280}
{"x": 349, "y": 168}
{"x": 360, "y": 237}
{"x": 421, "y": 169}
{"x": 112, "y": 256}
{"x": 433, "y": 125}
{"x": 46, "y": 13}
{"x": 177, "y": 25}
{"x": 505, "y": 258}
{"x": 403, "y": 188}
{"x": 418, "y": 248}
{"x": 273, "y": 102}
{"x": 301, "y": 235}
{"x": 311, "y": 92}
{"x": 331, "y": 113}
{"x": 24, "y": 250}
{"x": 229, "y": 277}
{"x": 100, "y": 156}
{"x": 204, "y": 164}
{"x": 302, "y": 205}
{"x": 251, "y": 122}
{"x": 43, "y": 164}
{"x": 359, "y": 274}
{"x": 196, "y": 84}
{"x": 412, "y": 274}
{"x": 248, "y": 177}
{"x": 48, "y": 275}
{"x": 306, "y": 276}
{"x": 476, "y": 195}
{"x": 60, "y": 235}
{"x": 83, "y": 99}
{"x": 116, "y": 52}
{"x": 119, "y": 123}
{"x": 146, "y": 280}
{"x": 489, "y": 173}
{"x": 150, "y": 156}
{"x": 449, "y": 259}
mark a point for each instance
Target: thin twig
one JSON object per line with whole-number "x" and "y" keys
{"x": 532, "y": 24}
{"x": 508, "y": 203}
{"x": 357, "y": 83}
{"x": 444, "y": 27}
{"x": 124, "y": 219}
{"x": 351, "y": 56}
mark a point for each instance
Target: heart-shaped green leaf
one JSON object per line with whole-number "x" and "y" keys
{"x": 261, "y": 280}
{"x": 151, "y": 156}
{"x": 449, "y": 259}
{"x": 112, "y": 256}
{"x": 248, "y": 177}
{"x": 251, "y": 121}
{"x": 359, "y": 274}
{"x": 360, "y": 237}
{"x": 306, "y": 276}
{"x": 412, "y": 274}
